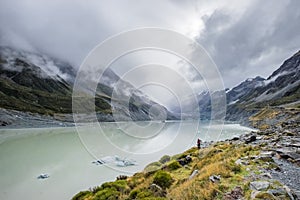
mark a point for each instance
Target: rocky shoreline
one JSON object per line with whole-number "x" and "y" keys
{"x": 18, "y": 119}
{"x": 272, "y": 173}
{"x": 279, "y": 141}
{"x": 263, "y": 164}
{"x": 281, "y": 151}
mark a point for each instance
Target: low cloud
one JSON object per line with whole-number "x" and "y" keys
{"x": 254, "y": 42}
{"x": 244, "y": 38}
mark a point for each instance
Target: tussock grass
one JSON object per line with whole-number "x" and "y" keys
{"x": 173, "y": 179}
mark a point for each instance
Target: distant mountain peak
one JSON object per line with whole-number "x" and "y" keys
{"x": 297, "y": 54}
{"x": 257, "y": 78}
{"x": 291, "y": 65}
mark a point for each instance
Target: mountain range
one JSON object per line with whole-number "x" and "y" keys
{"x": 282, "y": 87}
{"x": 38, "y": 84}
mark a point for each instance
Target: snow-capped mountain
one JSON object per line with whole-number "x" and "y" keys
{"x": 281, "y": 87}
{"x": 283, "y": 82}
{"x": 243, "y": 89}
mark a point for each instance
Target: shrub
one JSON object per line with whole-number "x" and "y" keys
{"x": 140, "y": 194}
{"x": 119, "y": 185}
{"x": 174, "y": 165}
{"x": 107, "y": 194}
{"x": 234, "y": 167}
{"x": 164, "y": 159}
{"x": 163, "y": 179}
{"x": 143, "y": 194}
{"x": 265, "y": 195}
{"x": 81, "y": 195}
{"x": 152, "y": 167}
{"x": 133, "y": 193}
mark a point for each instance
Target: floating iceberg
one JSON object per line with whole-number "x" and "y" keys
{"x": 43, "y": 176}
{"x": 115, "y": 159}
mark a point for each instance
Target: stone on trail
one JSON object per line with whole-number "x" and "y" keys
{"x": 259, "y": 185}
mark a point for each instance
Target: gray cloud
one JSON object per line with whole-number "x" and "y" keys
{"x": 255, "y": 42}
{"x": 244, "y": 38}
{"x": 69, "y": 29}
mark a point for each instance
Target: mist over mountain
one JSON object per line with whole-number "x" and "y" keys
{"x": 250, "y": 96}
{"x": 37, "y": 83}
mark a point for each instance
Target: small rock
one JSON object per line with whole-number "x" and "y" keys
{"x": 236, "y": 193}
{"x": 297, "y": 193}
{"x": 291, "y": 155}
{"x": 250, "y": 139}
{"x": 289, "y": 192}
{"x": 268, "y": 154}
{"x": 154, "y": 188}
{"x": 288, "y": 133}
{"x": 259, "y": 185}
{"x": 277, "y": 192}
{"x": 157, "y": 190}
{"x": 253, "y": 194}
{"x": 185, "y": 161}
{"x": 235, "y": 137}
{"x": 238, "y": 162}
{"x": 215, "y": 178}
{"x": 241, "y": 162}
{"x": 195, "y": 172}
{"x": 259, "y": 138}
{"x": 297, "y": 145}
{"x": 267, "y": 175}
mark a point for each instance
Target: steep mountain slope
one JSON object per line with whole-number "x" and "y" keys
{"x": 253, "y": 94}
{"x": 282, "y": 87}
{"x": 26, "y": 86}
{"x": 36, "y": 83}
{"x": 244, "y": 89}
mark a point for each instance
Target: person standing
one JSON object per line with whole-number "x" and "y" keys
{"x": 199, "y": 143}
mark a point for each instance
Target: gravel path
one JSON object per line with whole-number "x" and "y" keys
{"x": 289, "y": 174}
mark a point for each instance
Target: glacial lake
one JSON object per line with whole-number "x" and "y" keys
{"x": 66, "y": 154}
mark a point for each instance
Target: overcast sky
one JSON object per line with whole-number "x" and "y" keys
{"x": 244, "y": 38}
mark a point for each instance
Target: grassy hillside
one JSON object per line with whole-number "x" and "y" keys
{"x": 36, "y": 100}
{"x": 167, "y": 179}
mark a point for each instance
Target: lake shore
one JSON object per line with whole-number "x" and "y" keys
{"x": 256, "y": 169}
{"x": 59, "y": 152}
{"x": 260, "y": 165}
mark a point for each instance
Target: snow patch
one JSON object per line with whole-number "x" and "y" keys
{"x": 268, "y": 81}
{"x": 266, "y": 97}
{"x": 233, "y": 102}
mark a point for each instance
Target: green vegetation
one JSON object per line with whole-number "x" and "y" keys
{"x": 36, "y": 101}
{"x": 43, "y": 96}
{"x": 171, "y": 180}
{"x": 173, "y": 165}
{"x": 162, "y": 179}
{"x": 164, "y": 159}
{"x": 267, "y": 116}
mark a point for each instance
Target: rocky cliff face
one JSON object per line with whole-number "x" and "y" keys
{"x": 280, "y": 88}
